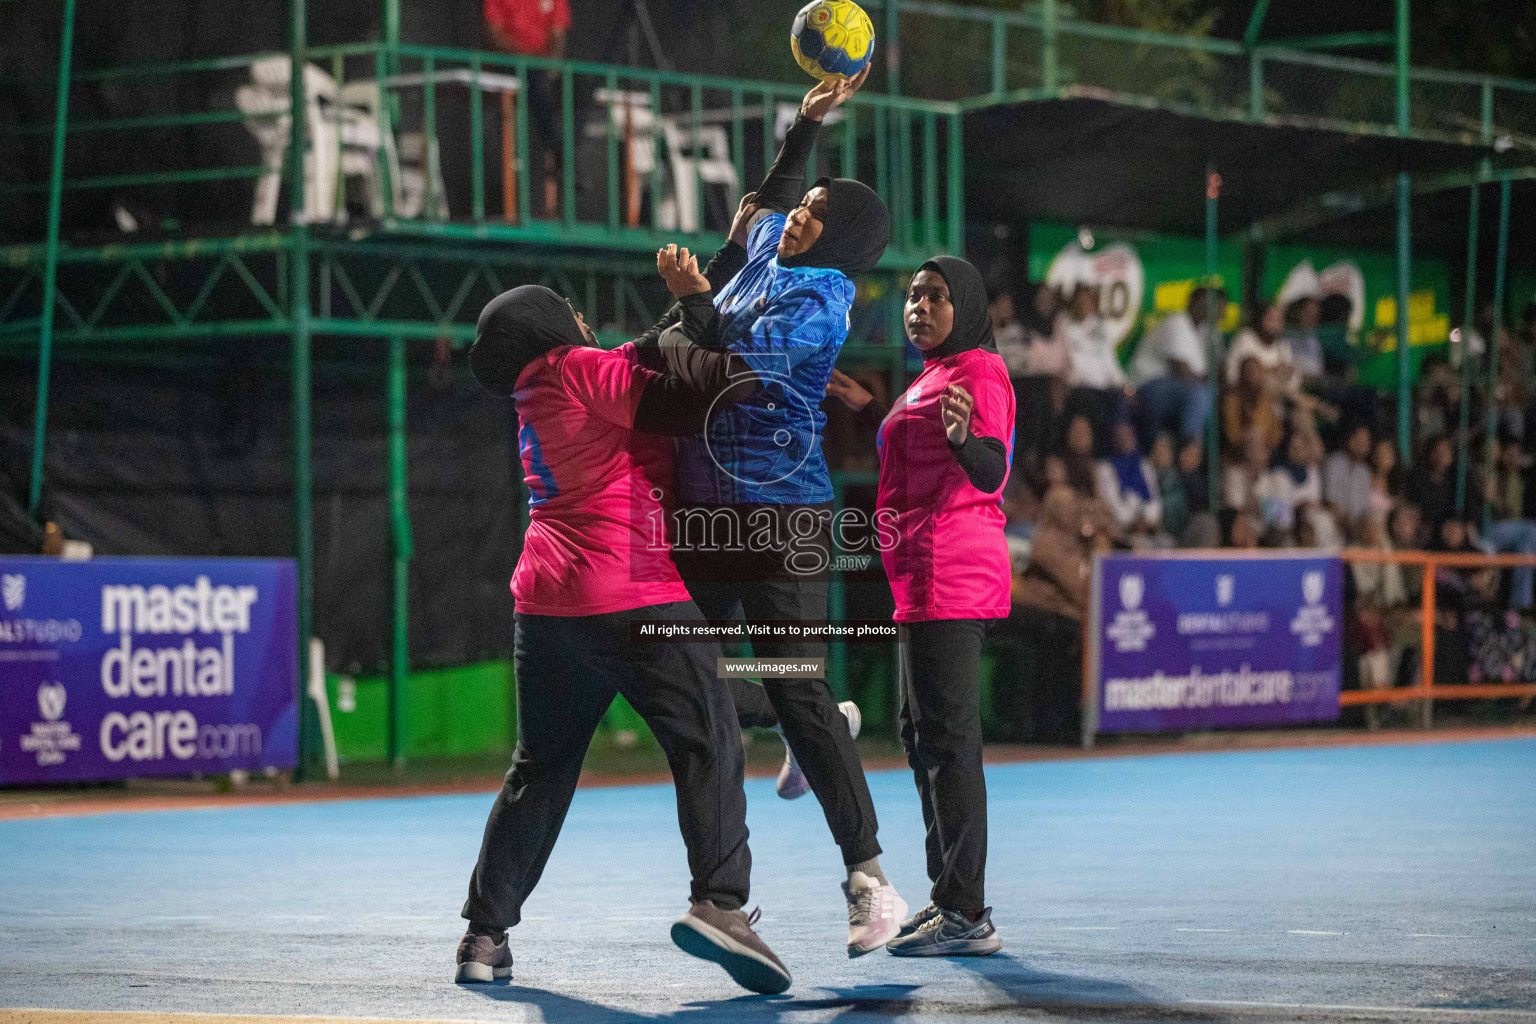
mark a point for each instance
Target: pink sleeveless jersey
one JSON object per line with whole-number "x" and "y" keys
{"x": 950, "y": 558}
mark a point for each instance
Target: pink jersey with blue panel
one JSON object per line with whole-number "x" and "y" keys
{"x": 950, "y": 558}
{"x": 598, "y": 489}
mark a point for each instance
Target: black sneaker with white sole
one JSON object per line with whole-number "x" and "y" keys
{"x": 726, "y": 938}
{"x": 481, "y": 959}
{"x": 949, "y": 933}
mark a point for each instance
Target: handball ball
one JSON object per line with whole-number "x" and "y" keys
{"x": 832, "y": 39}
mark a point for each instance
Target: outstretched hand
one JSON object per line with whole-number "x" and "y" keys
{"x": 680, "y": 270}
{"x": 955, "y": 407}
{"x": 848, "y": 391}
{"x": 827, "y": 96}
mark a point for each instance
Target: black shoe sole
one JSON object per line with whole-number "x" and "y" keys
{"x": 747, "y": 971}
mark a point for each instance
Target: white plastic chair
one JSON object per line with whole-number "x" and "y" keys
{"x": 265, "y": 101}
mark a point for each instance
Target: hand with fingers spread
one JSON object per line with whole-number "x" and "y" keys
{"x": 955, "y": 406}
{"x": 680, "y": 270}
{"x": 827, "y": 96}
{"x": 848, "y": 391}
{"x": 741, "y": 224}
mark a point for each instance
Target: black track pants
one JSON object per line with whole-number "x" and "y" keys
{"x": 568, "y": 670}
{"x": 941, "y": 732}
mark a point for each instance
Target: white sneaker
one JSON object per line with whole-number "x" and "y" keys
{"x": 874, "y": 913}
{"x": 792, "y": 783}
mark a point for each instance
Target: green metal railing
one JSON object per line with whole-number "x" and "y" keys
{"x": 1035, "y": 53}
{"x": 898, "y": 144}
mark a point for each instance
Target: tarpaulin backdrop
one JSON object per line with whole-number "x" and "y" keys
{"x": 190, "y": 454}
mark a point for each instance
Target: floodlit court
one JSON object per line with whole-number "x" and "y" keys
{"x": 1370, "y": 883}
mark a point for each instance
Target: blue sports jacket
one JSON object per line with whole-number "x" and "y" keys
{"x": 788, "y": 323}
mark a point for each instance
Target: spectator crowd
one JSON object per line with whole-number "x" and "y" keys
{"x": 1111, "y": 456}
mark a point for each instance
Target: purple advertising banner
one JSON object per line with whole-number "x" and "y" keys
{"x": 1195, "y": 642}
{"x": 120, "y": 667}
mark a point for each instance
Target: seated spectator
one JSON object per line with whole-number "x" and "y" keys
{"x": 1040, "y": 376}
{"x": 1197, "y": 488}
{"x": 1248, "y": 407}
{"x": 1243, "y": 529}
{"x": 1077, "y": 457}
{"x": 1098, "y": 381}
{"x": 1380, "y": 623}
{"x": 1169, "y": 369}
{"x": 1170, "y": 486}
{"x": 1247, "y": 483}
{"x": 1298, "y": 484}
{"x": 1127, "y": 484}
{"x": 1037, "y": 690}
{"x": 1386, "y": 477}
{"x": 1262, "y": 340}
{"x": 1302, "y": 315}
{"x": 1437, "y": 398}
{"x": 1508, "y": 531}
{"x": 1347, "y": 476}
{"x": 1012, "y": 340}
{"x": 1431, "y": 484}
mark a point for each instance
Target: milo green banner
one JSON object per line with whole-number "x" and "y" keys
{"x": 1142, "y": 277}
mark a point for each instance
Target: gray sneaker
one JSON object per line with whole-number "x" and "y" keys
{"x": 481, "y": 958}
{"x": 726, "y": 937}
{"x": 949, "y": 933}
{"x": 916, "y": 921}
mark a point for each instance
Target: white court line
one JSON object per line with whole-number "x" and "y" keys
{"x": 1303, "y": 931}
{"x": 1088, "y": 928}
{"x": 1225, "y": 930}
{"x": 181, "y": 917}
{"x": 1527, "y": 1014}
{"x": 1436, "y": 935}
{"x": 299, "y": 917}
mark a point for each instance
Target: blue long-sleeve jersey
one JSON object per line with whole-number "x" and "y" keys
{"x": 788, "y": 323}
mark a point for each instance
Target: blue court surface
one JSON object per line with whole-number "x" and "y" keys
{"x": 1383, "y": 883}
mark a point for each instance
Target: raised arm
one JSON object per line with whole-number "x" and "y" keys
{"x": 784, "y": 186}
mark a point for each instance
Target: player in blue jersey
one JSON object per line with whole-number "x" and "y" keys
{"x": 755, "y": 498}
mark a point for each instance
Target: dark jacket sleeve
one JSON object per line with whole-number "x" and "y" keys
{"x": 677, "y": 400}
{"x": 784, "y": 186}
{"x": 873, "y": 414}
{"x": 984, "y": 460}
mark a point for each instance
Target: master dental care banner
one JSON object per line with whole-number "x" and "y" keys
{"x": 1185, "y": 643}
{"x": 120, "y": 667}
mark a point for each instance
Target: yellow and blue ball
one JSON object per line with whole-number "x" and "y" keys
{"x": 832, "y": 39}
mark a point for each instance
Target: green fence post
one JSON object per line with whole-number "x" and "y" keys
{"x": 954, "y": 207}
{"x": 51, "y": 266}
{"x": 298, "y": 297}
{"x": 1050, "y": 73}
{"x": 1212, "y": 329}
{"x": 611, "y": 83}
{"x": 1468, "y": 313}
{"x": 931, "y": 180}
{"x": 429, "y": 133}
{"x": 400, "y": 530}
{"x": 476, "y": 142}
{"x": 568, "y": 138}
{"x": 1404, "y": 280}
{"x": 1500, "y": 268}
{"x": 1256, "y": 86}
{"x": 999, "y": 54}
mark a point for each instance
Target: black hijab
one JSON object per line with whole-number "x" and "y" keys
{"x": 854, "y": 234}
{"x": 515, "y": 328}
{"x": 968, "y": 294}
